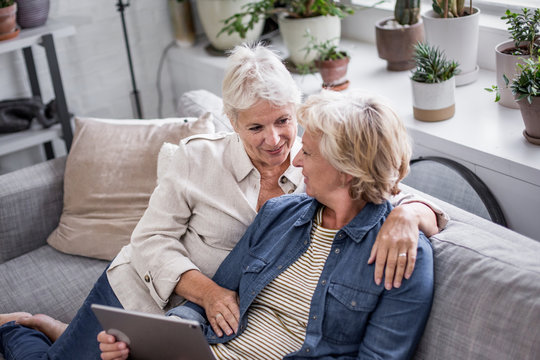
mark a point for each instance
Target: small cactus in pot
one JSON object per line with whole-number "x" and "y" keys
{"x": 407, "y": 12}
{"x": 395, "y": 37}
{"x": 452, "y": 8}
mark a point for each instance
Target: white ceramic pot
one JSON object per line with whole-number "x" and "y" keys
{"x": 458, "y": 37}
{"x": 506, "y": 64}
{"x": 213, "y": 12}
{"x": 293, "y": 32}
{"x": 433, "y": 102}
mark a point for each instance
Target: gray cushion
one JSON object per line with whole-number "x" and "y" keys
{"x": 487, "y": 294}
{"x": 31, "y": 204}
{"x": 47, "y": 281}
{"x": 195, "y": 103}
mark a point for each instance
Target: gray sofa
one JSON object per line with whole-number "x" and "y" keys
{"x": 487, "y": 278}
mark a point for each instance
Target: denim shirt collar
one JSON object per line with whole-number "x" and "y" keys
{"x": 367, "y": 218}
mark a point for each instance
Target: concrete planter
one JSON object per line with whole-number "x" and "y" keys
{"x": 433, "y": 102}
{"x": 506, "y": 64}
{"x": 531, "y": 118}
{"x": 395, "y": 43}
{"x": 458, "y": 37}
{"x": 32, "y": 13}
{"x": 293, "y": 32}
{"x": 213, "y": 12}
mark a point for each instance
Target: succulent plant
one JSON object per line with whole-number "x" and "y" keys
{"x": 451, "y": 8}
{"x": 432, "y": 65}
{"x": 524, "y": 28}
{"x": 407, "y": 12}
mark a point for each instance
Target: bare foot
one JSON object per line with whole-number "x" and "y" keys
{"x": 5, "y": 318}
{"x": 44, "y": 323}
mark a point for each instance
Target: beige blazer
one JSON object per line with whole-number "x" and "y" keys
{"x": 197, "y": 213}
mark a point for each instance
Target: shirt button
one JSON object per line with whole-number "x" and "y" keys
{"x": 305, "y": 242}
{"x": 253, "y": 293}
{"x": 307, "y": 350}
{"x": 283, "y": 180}
{"x": 279, "y": 266}
{"x": 353, "y": 303}
{"x": 314, "y": 317}
{"x": 146, "y": 278}
{"x": 323, "y": 282}
{"x": 337, "y": 251}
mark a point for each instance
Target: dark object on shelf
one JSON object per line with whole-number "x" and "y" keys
{"x": 454, "y": 183}
{"x": 32, "y": 13}
{"x": 17, "y": 114}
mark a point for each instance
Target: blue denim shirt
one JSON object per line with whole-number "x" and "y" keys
{"x": 351, "y": 317}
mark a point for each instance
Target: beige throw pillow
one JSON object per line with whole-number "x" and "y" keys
{"x": 110, "y": 175}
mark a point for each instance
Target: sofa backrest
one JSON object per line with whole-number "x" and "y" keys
{"x": 487, "y": 292}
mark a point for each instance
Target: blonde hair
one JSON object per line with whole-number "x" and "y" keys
{"x": 256, "y": 73}
{"x": 361, "y": 136}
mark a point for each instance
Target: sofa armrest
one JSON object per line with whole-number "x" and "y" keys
{"x": 31, "y": 203}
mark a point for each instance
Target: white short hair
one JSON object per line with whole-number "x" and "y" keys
{"x": 256, "y": 73}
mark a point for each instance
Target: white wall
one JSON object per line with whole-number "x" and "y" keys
{"x": 94, "y": 65}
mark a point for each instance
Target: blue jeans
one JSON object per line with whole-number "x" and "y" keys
{"x": 77, "y": 342}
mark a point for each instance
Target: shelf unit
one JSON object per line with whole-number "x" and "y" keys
{"x": 43, "y": 36}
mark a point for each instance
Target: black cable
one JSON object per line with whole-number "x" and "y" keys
{"x": 158, "y": 82}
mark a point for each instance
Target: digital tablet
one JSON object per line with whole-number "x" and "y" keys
{"x": 152, "y": 336}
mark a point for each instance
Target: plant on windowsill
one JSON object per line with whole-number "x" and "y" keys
{"x": 525, "y": 87}
{"x": 462, "y": 22}
{"x": 397, "y": 35}
{"x": 320, "y": 17}
{"x": 524, "y": 30}
{"x": 433, "y": 84}
{"x": 331, "y": 62}
{"x": 8, "y": 16}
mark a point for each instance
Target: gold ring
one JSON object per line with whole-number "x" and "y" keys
{"x": 403, "y": 254}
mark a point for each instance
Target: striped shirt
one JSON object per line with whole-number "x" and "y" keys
{"x": 277, "y": 318}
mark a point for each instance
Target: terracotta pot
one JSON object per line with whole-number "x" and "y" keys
{"x": 334, "y": 73}
{"x": 395, "y": 43}
{"x": 433, "y": 102}
{"x": 458, "y": 37}
{"x": 531, "y": 118}
{"x": 506, "y": 64}
{"x": 8, "y": 16}
{"x": 293, "y": 32}
{"x": 32, "y": 13}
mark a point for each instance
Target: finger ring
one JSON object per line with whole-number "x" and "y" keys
{"x": 403, "y": 254}
{"x": 219, "y": 314}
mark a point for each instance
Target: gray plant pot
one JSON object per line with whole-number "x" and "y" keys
{"x": 32, "y": 13}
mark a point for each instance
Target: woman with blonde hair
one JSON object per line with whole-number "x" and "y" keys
{"x": 301, "y": 272}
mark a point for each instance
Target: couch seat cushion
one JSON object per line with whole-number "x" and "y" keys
{"x": 48, "y": 281}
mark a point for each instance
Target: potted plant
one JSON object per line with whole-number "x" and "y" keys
{"x": 453, "y": 27}
{"x": 321, "y": 18}
{"x": 525, "y": 87}
{"x": 397, "y": 35}
{"x": 8, "y": 16}
{"x": 331, "y": 62}
{"x": 524, "y": 29}
{"x": 433, "y": 84}
{"x": 213, "y": 13}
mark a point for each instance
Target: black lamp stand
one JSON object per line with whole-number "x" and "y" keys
{"x": 121, "y": 5}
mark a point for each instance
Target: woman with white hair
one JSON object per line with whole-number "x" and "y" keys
{"x": 211, "y": 193}
{"x": 301, "y": 269}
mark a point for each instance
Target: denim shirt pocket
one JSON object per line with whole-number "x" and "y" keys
{"x": 347, "y": 311}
